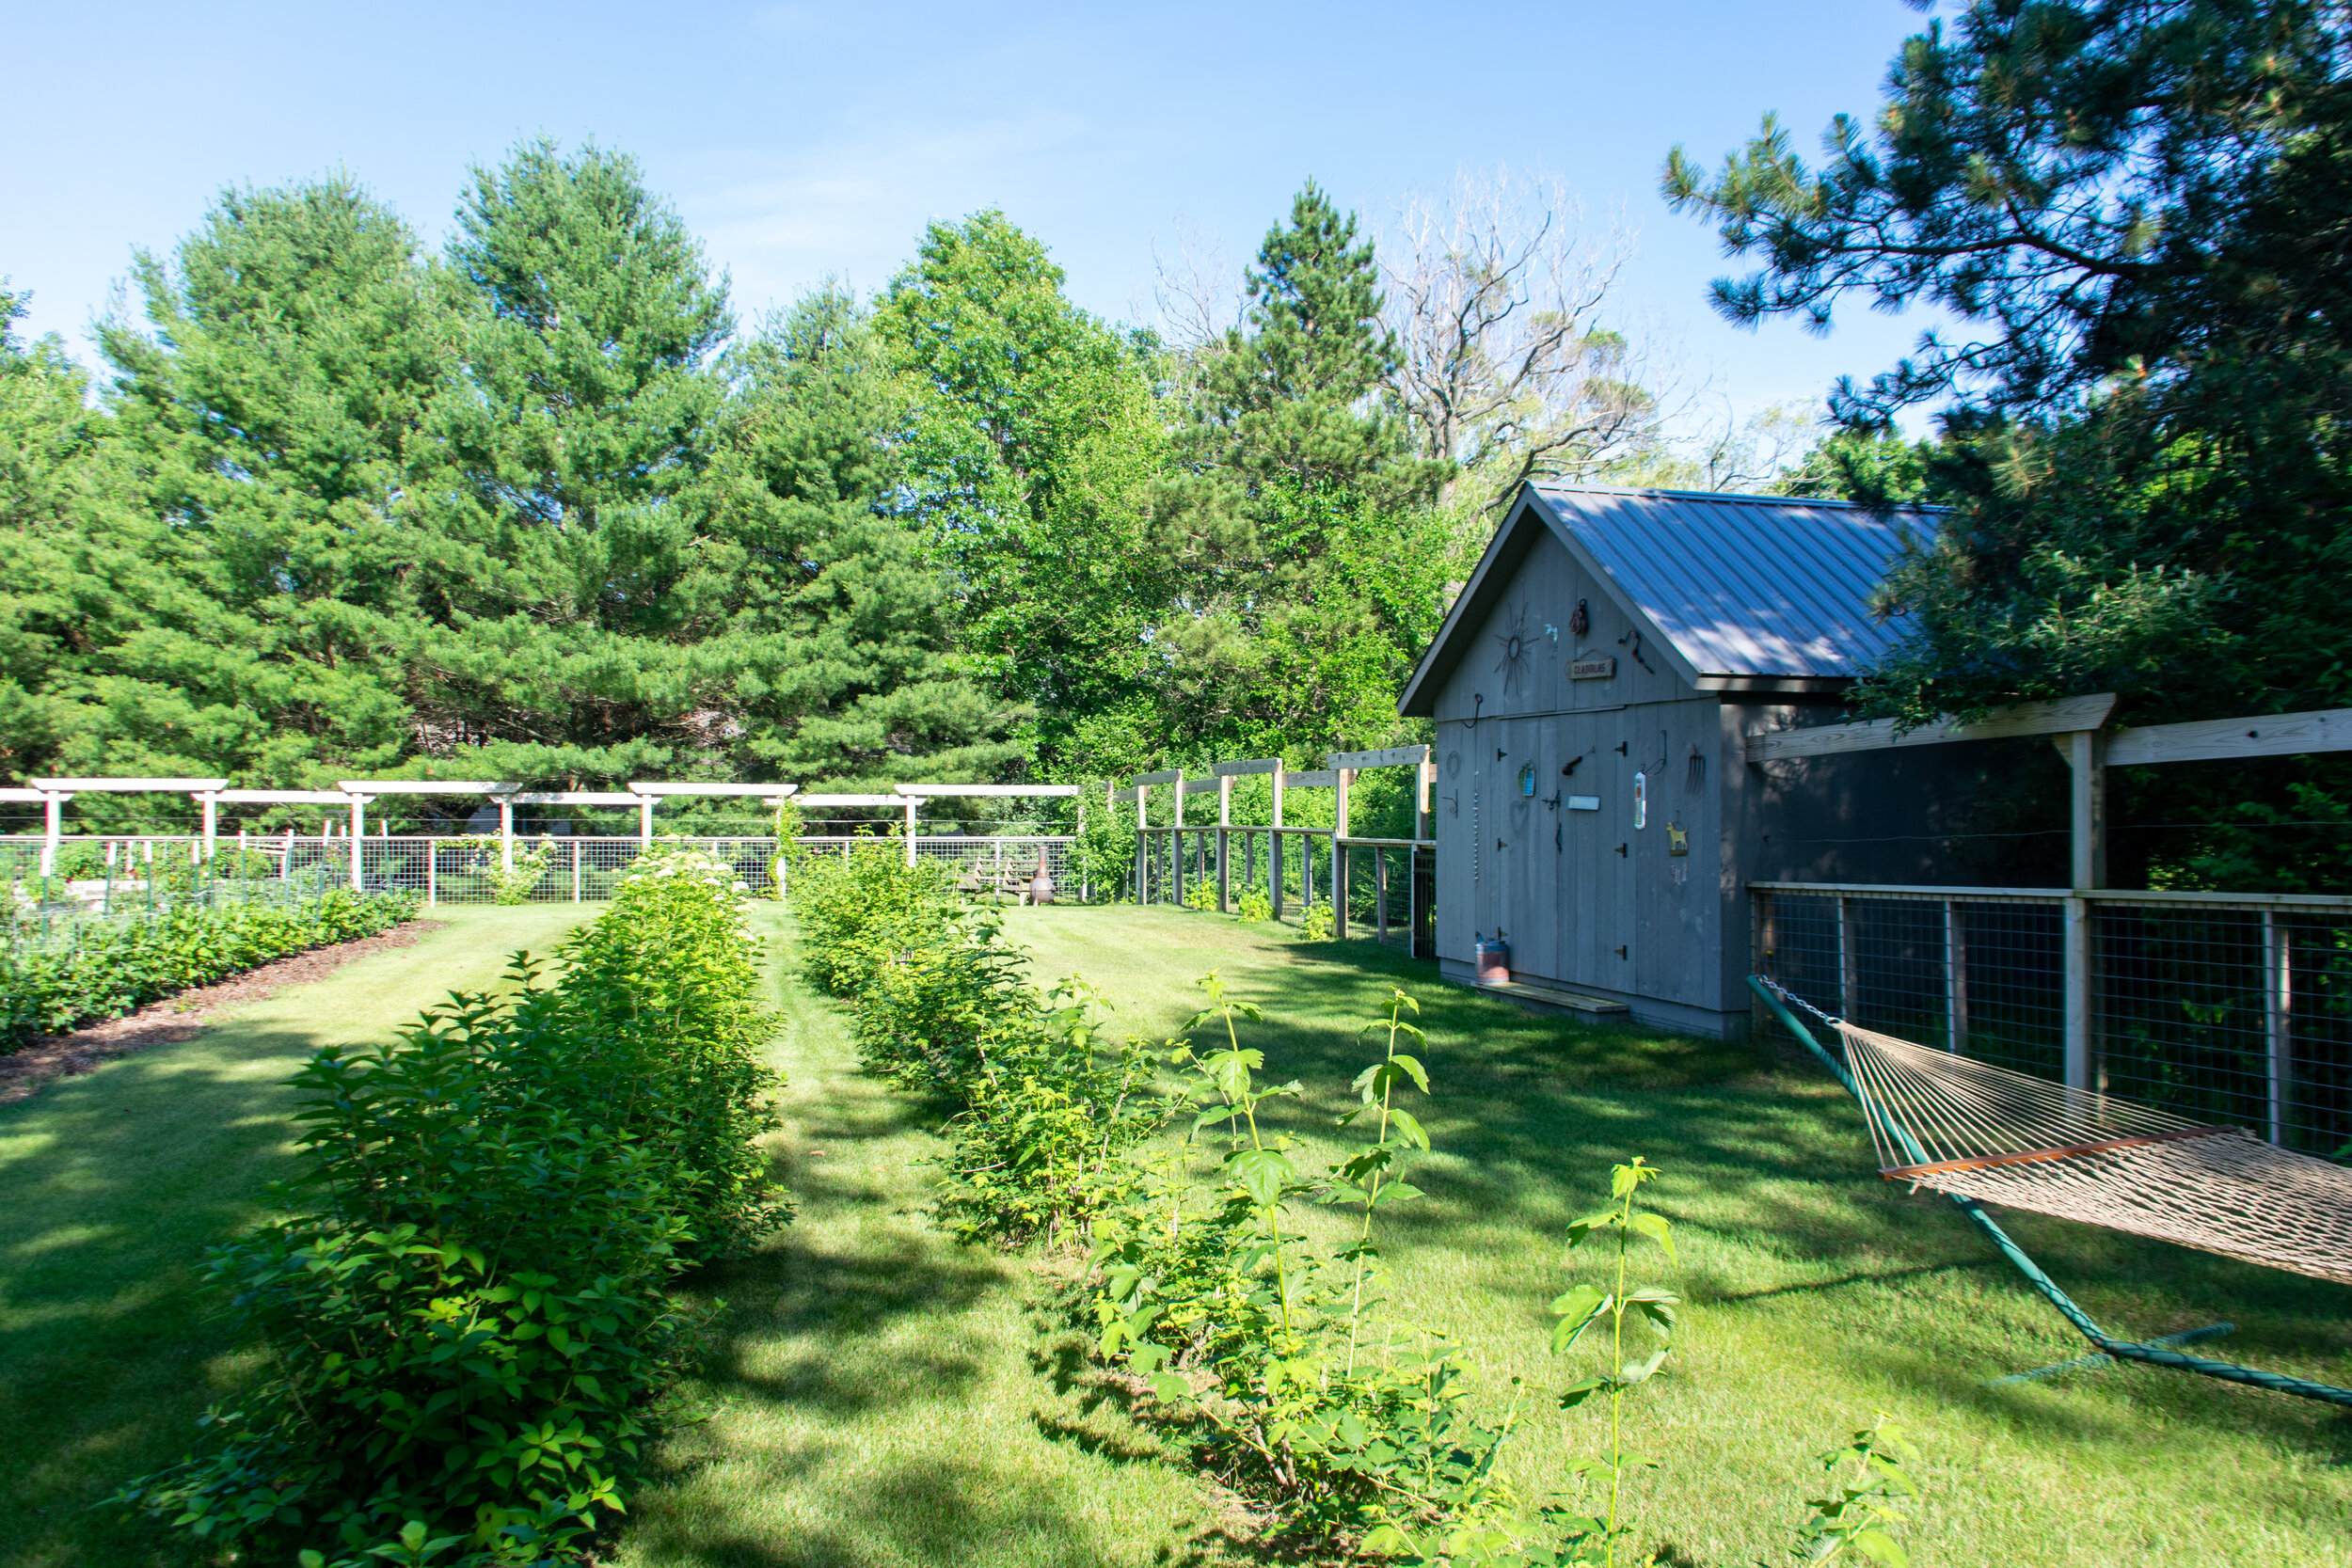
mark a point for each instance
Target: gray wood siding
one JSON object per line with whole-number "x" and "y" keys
{"x": 1537, "y": 606}
{"x": 1576, "y": 911}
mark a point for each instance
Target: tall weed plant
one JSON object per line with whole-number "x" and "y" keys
{"x": 464, "y": 1309}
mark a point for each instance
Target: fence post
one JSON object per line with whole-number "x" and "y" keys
{"x": 52, "y": 805}
{"x": 1224, "y": 835}
{"x": 1848, "y": 959}
{"x": 212, "y": 820}
{"x": 2077, "y": 947}
{"x": 1176, "y": 843}
{"x": 358, "y": 838}
{"x": 1380, "y": 894}
{"x": 1340, "y": 871}
{"x": 432, "y": 872}
{"x": 2279, "y": 993}
{"x": 506, "y": 833}
{"x": 1955, "y": 976}
{"x": 1143, "y": 840}
{"x": 911, "y": 804}
{"x": 575, "y": 871}
{"x": 1274, "y": 846}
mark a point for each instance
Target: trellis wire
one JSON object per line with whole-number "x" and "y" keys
{"x": 2236, "y": 1012}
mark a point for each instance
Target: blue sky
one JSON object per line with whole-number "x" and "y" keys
{"x": 803, "y": 140}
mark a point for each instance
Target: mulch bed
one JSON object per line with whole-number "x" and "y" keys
{"x": 183, "y": 1016}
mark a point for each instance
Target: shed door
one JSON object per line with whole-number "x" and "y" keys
{"x": 1596, "y": 923}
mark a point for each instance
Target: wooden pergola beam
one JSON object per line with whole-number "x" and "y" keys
{"x": 2061, "y": 716}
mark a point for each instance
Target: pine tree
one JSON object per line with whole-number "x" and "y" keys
{"x": 1299, "y": 524}
{"x": 248, "y": 573}
{"x": 840, "y": 648}
{"x": 582, "y": 417}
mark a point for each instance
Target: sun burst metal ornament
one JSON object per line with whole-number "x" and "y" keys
{"x": 1516, "y": 646}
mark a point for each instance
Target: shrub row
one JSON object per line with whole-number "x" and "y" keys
{"x": 1039, "y": 1114}
{"x": 1275, "y": 1360}
{"x": 464, "y": 1307}
{"x": 120, "y": 964}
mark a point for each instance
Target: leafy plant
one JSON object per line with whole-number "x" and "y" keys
{"x": 516, "y": 883}
{"x": 1200, "y": 893}
{"x": 1857, "y": 1519}
{"x": 464, "y": 1304}
{"x": 1595, "y": 1540}
{"x": 109, "y": 967}
{"x": 1348, "y": 1424}
{"x": 1314, "y": 925}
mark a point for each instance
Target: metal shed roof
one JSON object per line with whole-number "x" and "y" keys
{"x": 1772, "y": 587}
{"x": 1743, "y": 585}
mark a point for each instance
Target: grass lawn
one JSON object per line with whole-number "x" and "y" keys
{"x": 111, "y": 1187}
{"x": 1821, "y": 1295}
{"x": 878, "y": 1399}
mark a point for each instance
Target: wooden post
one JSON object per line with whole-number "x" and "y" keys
{"x": 1380, "y": 894}
{"x": 2078, "y": 931}
{"x": 212, "y": 820}
{"x": 910, "y": 804}
{"x": 575, "y": 870}
{"x": 644, "y": 821}
{"x": 1425, "y": 801}
{"x": 1143, "y": 841}
{"x": 432, "y": 872}
{"x": 2086, "y": 762}
{"x": 1274, "y": 846}
{"x": 1955, "y": 976}
{"x": 506, "y": 833}
{"x": 1341, "y": 869}
{"x": 1176, "y": 843}
{"x": 52, "y": 804}
{"x": 358, "y": 837}
{"x": 1224, "y": 838}
{"x": 1848, "y": 959}
{"x": 2279, "y": 989}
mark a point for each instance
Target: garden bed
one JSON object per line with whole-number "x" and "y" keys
{"x": 183, "y": 1016}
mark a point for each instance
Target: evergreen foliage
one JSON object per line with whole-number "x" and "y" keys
{"x": 2136, "y": 210}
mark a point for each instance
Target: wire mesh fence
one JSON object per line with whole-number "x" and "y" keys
{"x": 477, "y": 868}
{"x": 63, "y": 915}
{"x": 1292, "y": 867}
{"x": 2230, "y": 1010}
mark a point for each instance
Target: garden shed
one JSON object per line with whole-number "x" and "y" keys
{"x": 1597, "y": 686}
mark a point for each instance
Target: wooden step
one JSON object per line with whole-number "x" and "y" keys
{"x": 1550, "y": 996}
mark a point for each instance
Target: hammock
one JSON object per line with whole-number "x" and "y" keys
{"x": 1977, "y": 1130}
{"x": 1977, "y": 1133}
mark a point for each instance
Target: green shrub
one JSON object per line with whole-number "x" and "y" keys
{"x": 1039, "y": 1114}
{"x": 120, "y": 964}
{"x": 514, "y": 884}
{"x": 466, "y": 1311}
{"x": 857, "y": 909}
{"x": 1102, "y": 860}
{"x": 1343, "y": 1421}
{"x": 1254, "y": 904}
{"x": 1200, "y": 893}
{"x": 660, "y": 997}
{"x": 1039, "y": 1149}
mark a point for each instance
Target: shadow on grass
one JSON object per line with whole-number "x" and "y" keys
{"x": 948, "y": 1514}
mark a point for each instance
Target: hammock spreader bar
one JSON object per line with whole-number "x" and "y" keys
{"x": 2153, "y": 1354}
